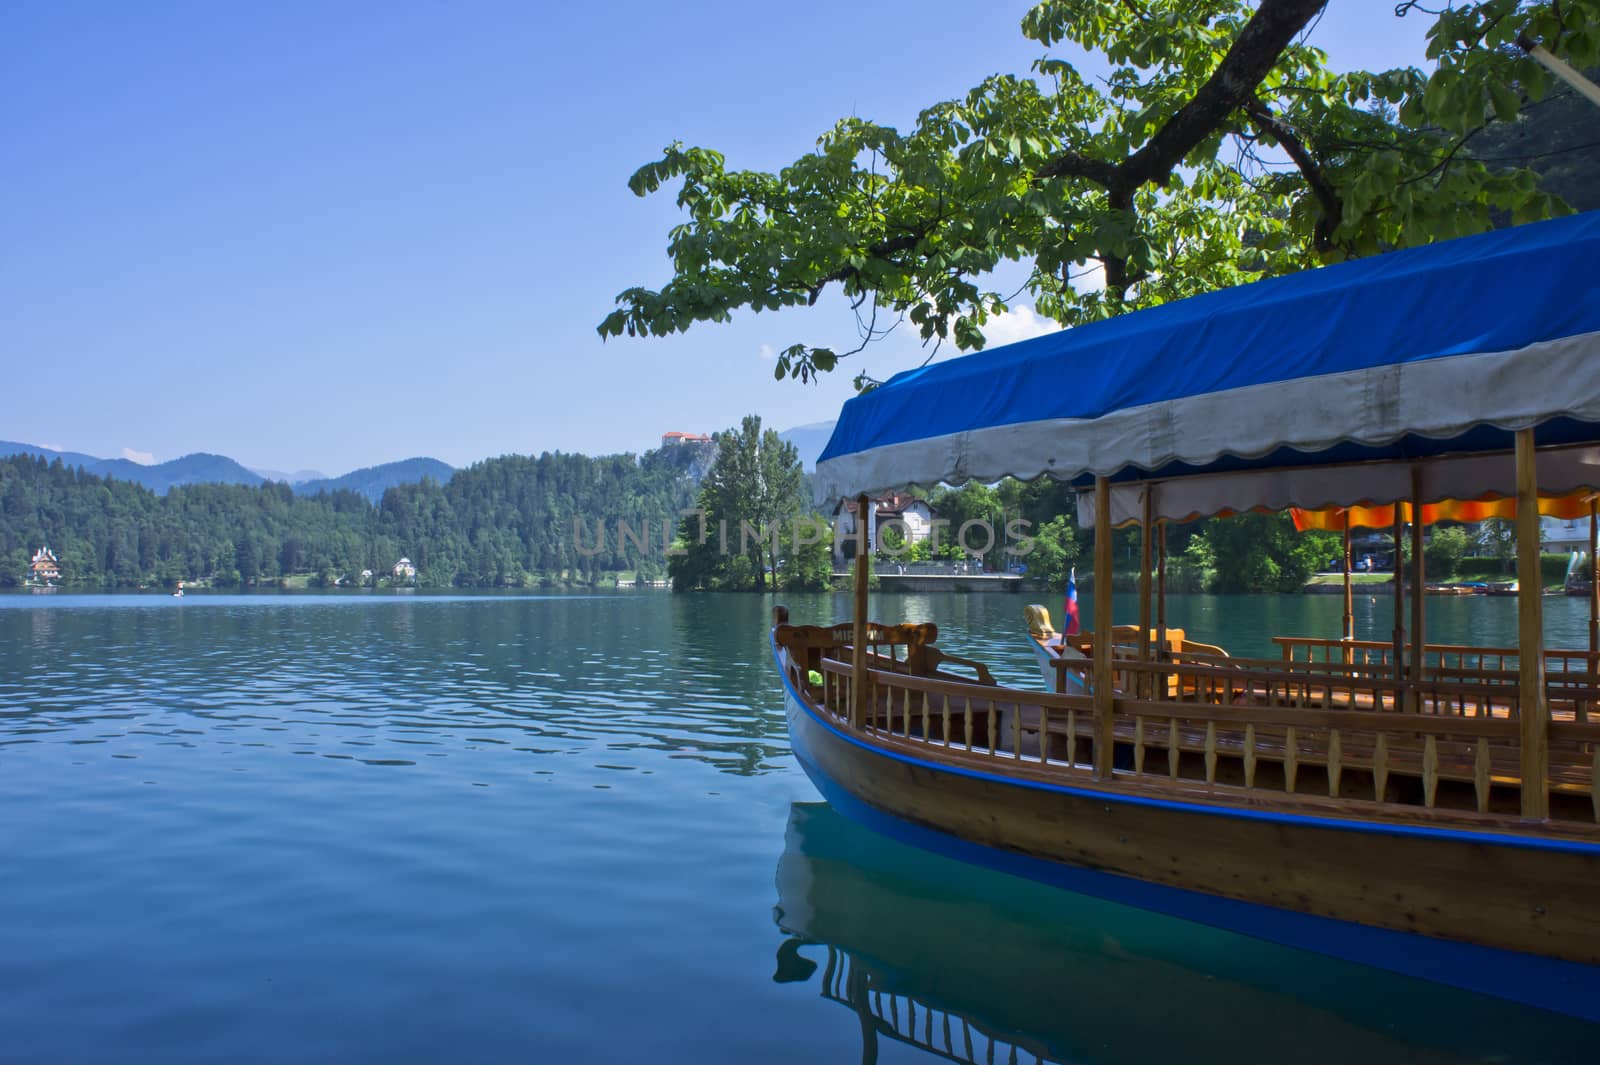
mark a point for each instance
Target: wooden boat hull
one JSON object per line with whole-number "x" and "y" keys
{"x": 1037, "y": 973}
{"x": 1489, "y": 909}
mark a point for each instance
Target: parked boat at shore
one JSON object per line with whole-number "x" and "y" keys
{"x": 1422, "y": 807}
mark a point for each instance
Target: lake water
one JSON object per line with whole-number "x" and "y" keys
{"x": 494, "y": 828}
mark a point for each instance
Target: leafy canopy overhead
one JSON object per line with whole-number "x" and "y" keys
{"x": 1221, "y": 148}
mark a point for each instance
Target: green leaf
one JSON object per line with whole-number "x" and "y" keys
{"x": 913, "y": 219}
{"x": 1506, "y": 102}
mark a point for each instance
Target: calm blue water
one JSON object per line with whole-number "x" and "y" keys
{"x": 412, "y": 828}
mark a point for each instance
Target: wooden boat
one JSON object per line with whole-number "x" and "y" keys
{"x": 1428, "y": 808}
{"x": 1050, "y": 646}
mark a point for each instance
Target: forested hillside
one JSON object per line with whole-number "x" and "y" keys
{"x": 1558, "y": 138}
{"x": 505, "y": 521}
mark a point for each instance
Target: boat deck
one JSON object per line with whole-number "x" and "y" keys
{"x": 1339, "y": 737}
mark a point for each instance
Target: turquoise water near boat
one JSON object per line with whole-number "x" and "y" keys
{"x": 407, "y": 827}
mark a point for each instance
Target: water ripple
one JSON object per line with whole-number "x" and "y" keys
{"x": 419, "y": 828}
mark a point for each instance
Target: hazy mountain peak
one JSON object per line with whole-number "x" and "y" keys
{"x": 373, "y": 481}
{"x": 297, "y": 477}
{"x": 203, "y": 467}
{"x": 809, "y": 440}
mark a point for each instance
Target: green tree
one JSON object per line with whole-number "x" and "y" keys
{"x": 1263, "y": 553}
{"x": 808, "y": 567}
{"x": 1499, "y": 537}
{"x": 1555, "y": 138}
{"x": 892, "y": 543}
{"x": 747, "y": 502}
{"x": 1194, "y": 569}
{"x": 1220, "y": 148}
{"x": 1444, "y": 551}
{"x": 978, "y": 508}
{"x": 1054, "y": 551}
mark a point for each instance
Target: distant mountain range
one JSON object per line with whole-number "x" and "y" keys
{"x": 372, "y": 481}
{"x": 809, "y": 440}
{"x": 201, "y": 468}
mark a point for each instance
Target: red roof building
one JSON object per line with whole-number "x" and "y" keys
{"x": 44, "y": 569}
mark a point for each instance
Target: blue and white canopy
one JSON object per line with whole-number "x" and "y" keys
{"x": 1441, "y": 350}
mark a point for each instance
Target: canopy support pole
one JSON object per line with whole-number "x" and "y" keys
{"x": 1161, "y": 589}
{"x": 1103, "y": 731}
{"x": 1349, "y": 600}
{"x": 1145, "y": 527}
{"x": 1418, "y": 577}
{"x": 1532, "y": 709}
{"x": 1594, "y": 582}
{"x": 858, "y": 637}
{"x": 1399, "y": 634}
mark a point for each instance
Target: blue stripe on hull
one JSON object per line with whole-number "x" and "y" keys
{"x": 1550, "y": 983}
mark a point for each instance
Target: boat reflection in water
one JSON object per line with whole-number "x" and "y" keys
{"x": 976, "y": 966}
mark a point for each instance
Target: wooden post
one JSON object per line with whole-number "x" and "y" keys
{"x": 1399, "y": 602}
{"x": 1161, "y": 589}
{"x": 1418, "y": 573}
{"x": 1532, "y": 708}
{"x": 1349, "y": 601}
{"x": 1594, "y": 583}
{"x": 1145, "y": 528}
{"x": 1103, "y": 735}
{"x": 858, "y": 637}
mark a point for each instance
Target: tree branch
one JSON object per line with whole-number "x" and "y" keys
{"x": 1269, "y": 124}
{"x": 1071, "y": 164}
{"x": 1258, "y": 46}
{"x": 1232, "y": 85}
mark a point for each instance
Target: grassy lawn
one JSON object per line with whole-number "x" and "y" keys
{"x": 1355, "y": 578}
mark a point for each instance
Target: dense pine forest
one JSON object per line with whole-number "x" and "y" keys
{"x": 503, "y": 522}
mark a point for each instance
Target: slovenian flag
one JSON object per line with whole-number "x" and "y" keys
{"x": 1070, "y": 607}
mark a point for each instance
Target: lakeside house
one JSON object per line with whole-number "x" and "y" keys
{"x": 1564, "y": 535}
{"x": 405, "y": 570}
{"x": 913, "y": 517}
{"x": 44, "y": 567}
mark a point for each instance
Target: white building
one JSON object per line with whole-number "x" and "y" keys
{"x": 404, "y": 570}
{"x": 1564, "y": 535}
{"x": 910, "y": 515}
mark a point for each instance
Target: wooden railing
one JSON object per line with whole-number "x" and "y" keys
{"x": 1247, "y": 730}
{"x": 976, "y": 719}
{"x": 1570, "y": 676}
{"x": 1267, "y": 731}
{"x": 901, "y": 1017}
{"x": 1438, "y": 657}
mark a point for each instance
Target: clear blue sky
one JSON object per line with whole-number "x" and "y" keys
{"x": 335, "y": 234}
